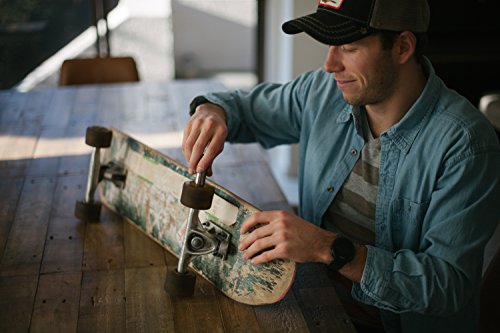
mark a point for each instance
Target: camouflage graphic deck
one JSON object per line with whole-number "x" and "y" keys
{"x": 150, "y": 200}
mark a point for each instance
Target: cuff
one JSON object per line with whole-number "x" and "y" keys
{"x": 198, "y": 100}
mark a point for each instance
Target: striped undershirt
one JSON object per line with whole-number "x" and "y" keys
{"x": 352, "y": 212}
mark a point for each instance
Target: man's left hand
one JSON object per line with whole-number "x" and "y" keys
{"x": 281, "y": 235}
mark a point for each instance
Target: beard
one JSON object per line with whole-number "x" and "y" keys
{"x": 381, "y": 84}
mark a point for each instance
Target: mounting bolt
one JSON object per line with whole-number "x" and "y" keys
{"x": 197, "y": 243}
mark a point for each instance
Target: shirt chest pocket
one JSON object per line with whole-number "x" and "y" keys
{"x": 406, "y": 223}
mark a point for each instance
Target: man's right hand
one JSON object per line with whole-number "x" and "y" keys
{"x": 204, "y": 137}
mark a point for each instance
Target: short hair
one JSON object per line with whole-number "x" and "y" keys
{"x": 388, "y": 39}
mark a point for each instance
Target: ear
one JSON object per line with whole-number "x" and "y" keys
{"x": 405, "y": 46}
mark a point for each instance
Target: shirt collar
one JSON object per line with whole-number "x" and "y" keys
{"x": 405, "y": 131}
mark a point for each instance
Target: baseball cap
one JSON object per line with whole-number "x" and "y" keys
{"x": 339, "y": 22}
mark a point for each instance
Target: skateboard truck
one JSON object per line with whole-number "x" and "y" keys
{"x": 98, "y": 137}
{"x": 200, "y": 239}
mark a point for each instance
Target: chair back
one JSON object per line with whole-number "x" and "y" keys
{"x": 490, "y": 106}
{"x": 98, "y": 70}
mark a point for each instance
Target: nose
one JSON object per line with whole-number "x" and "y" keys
{"x": 332, "y": 61}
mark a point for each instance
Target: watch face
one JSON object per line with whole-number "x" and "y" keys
{"x": 343, "y": 249}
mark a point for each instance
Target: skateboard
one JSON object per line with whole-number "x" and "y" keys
{"x": 149, "y": 189}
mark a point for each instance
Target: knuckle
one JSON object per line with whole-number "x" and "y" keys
{"x": 196, "y": 122}
{"x": 222, "y": 130}
{"x": 282, "y": 223}
{"x": 198, "y": 145}
{"x": 285, "y": 251}
{"x": 211, "y": 151}
{"x": 265, "y": 256}
{"x": 282, "y": 215}
{"x": 283, "y": 236}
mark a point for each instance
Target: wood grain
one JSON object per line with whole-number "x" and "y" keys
{"x": 24, "y": 248}
{"x": 102, "y": 301}
{"x": 59, "y": 274}
{"x": 57, "y": 302}
{"x": 148, "y": 307}
{"x": 16, "y": 301}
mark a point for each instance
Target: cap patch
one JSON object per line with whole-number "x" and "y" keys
{"x": 335, "y": 4}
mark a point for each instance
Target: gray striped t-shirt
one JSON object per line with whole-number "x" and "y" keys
{"x": 352, "y": 212}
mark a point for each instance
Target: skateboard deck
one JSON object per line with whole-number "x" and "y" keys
{"x": 150, "y": 200}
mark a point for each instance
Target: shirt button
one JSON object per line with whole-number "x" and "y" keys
{"x": 330, "y": 189}
{"x": 354, "y": 152}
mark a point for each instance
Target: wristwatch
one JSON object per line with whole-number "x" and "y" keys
{"x": 342, "y": 251}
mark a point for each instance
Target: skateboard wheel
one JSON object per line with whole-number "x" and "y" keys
{"x": 180, "y": 284}
{"x": 197, "y": 197}
{"x": 87, "y": 211}
{"x": 98, "y": 137}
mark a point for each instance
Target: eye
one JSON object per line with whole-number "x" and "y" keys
{"x": 348, "y": 48}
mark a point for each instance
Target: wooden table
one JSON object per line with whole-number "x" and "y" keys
{"x": 61, "y": 275}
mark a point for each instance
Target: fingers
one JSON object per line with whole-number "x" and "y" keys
{"x": 204, "y": 137}
{"x": 259, "y": 245}
{"x": 263, "y": 242}
{"x": 281, "y": 235}
{"x": 259, "y": 233}
{"x": 252, "y": 222}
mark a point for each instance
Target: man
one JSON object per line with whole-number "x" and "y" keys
{"x": 399, "y": 176}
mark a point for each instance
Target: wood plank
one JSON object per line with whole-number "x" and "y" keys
{"x": 17, "y": 144}
{"x": 240, "y": 154}
{"x": 103, "y": 247}
{"x": 314, "y": 290}
{"x": 36, "y": 106}
{"x": 75, "y": 154}
{"x": 140, "y": 250}
{"x": 24, "y": 249}
{"x": 69, "y": 189}
{"x": 185, "y": 91}
{"x": 16, "y": 301}
{"x": 45, "y": 155}
{"x": 10, "y": 191}
{"x": 84, "y": 111}
{"x": 57, "y": 115}
{"x": 238, "y": 318}
{"x": 199, "y": 313}
{"x": 12, "y": 108}
{"x": 147, "y": 305}
{"x": 56, "y": 303}
{"x": 110, "y": 106}
{"x": 159, "y": 108}
{"x": 252, "y": 182}
{"x": 75, "y": 159}
{"x": 64, "y": 246}
{"x": 323, "y": 312}
{"x": 65, "y": 235}
{"x": 284, "y": 316}
{"x": 102, "y": 302}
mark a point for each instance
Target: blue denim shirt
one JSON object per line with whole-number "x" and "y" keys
{"x": 438, "y": 199}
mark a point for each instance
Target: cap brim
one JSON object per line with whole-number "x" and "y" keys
{"x": 327, "y": 28}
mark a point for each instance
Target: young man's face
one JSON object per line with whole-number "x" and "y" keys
{"x": 365, "y": 72}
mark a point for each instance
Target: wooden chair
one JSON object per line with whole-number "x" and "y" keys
{"x": 489, "y": 105}
{"x": 98, "y": 70}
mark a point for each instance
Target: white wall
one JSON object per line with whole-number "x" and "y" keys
{"x": 213, "y": 36}
{"x": 308, "y": 54}
{"x": 285, "y": 58}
